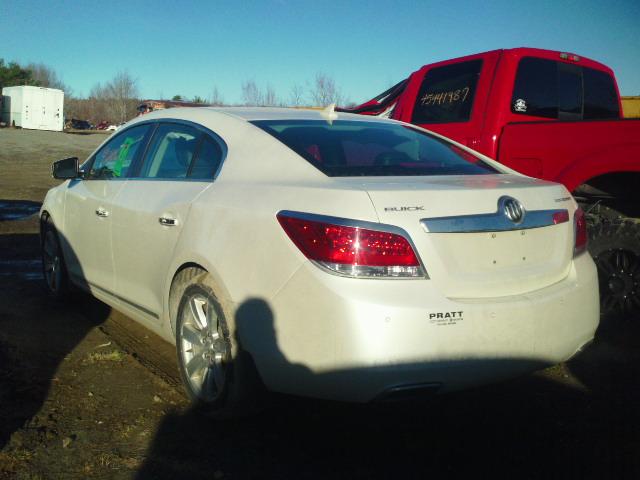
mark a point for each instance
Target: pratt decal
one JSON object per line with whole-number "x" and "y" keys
{"x": 445, "y": 318}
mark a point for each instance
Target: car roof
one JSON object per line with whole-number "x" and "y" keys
{"x": 271, "y": 113}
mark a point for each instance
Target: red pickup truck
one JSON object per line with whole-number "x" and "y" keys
{"x": 551, "y": 115}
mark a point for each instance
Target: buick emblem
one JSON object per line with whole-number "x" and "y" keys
{"x": 513, "y": 209}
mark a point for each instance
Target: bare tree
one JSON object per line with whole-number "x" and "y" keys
{"x": 270, "y": 99}
{"x": 325, "y": 91}
{"x": 123, "y": 95}
{"x": 97, "y": 107}
{"x": 83, "y": 108}
{"x": 216, "y": 98}
{"x": 251, "y": 94}
{"x": 45, "y": 76}
{"x": 94, "y": 108}
{"x": 115, "y": 101}
{"x": 296, "y": 95}
{"x": 98, "y": 91}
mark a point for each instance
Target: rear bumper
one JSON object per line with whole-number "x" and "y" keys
{"x": 350, "y": 339}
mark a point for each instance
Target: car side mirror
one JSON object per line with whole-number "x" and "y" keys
{"x": 66, "y": 168}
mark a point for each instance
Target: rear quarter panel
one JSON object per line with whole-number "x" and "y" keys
{"x": 232, "y": 230}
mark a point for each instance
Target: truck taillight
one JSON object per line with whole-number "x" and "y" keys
{"x": 580, "y": 228}
{"x": 352, "y": 250}
{"x": 569, "y": 56}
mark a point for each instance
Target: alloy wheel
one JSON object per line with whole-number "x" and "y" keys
{"x": 204, "y": 349}
{"x": 52, "y": 262}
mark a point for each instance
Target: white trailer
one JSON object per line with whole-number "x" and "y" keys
{"x": 36, "y": 108}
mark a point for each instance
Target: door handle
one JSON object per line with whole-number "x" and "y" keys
{"x": 101, "y": 212}
{"x": 168, "y": 221}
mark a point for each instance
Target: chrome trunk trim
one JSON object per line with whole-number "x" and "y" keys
{"x": 510, "y": 215}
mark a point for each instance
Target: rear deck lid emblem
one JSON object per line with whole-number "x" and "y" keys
{"x": 512, "y": 209}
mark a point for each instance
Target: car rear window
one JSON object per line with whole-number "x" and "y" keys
{"x": 351, "y": 148}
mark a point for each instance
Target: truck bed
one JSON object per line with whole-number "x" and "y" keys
{"x": 569, "y": 152}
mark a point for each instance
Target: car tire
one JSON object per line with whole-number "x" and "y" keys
{"x": 219, "y": 378}
{"x": 54, "y": 269}
{"x": 615, "y": 248}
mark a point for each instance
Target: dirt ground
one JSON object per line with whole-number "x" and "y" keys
{"x": 85, "y": 393}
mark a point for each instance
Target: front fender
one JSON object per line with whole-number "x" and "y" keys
{"x": 54, "y": 205}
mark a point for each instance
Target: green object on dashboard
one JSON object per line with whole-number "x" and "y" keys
{"x": 122, "y": 156}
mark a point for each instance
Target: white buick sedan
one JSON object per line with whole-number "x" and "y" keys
{"x": 322, "y": 254}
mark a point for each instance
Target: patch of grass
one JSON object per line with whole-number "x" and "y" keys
{"x": 108, "y": 460}
{"x": 88, "y": 468}
{"x": 132, "y": 463}
{"x": 126, "y": 431}
{"x": 13, "y": 460}
{"x": 555, "y": 371}
{"x": 113, "y": 356}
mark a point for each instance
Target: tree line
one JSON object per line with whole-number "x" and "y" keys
{"x": 117, "y": 100}
{"x": 322, "y": 91}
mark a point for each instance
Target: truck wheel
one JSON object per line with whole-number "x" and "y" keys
{"x": 214, "y": 371}
{"x": 615, "y": 248}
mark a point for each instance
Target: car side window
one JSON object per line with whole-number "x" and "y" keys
{"x": 207, "y": 161}
{"x": 171, "y": 152}
{"x": 115, "y": 158}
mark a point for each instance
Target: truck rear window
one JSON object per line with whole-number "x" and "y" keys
{"x": 352, "y": 148}
{"x": 600, "y": 96}
{"x": 558, "y": 90}
{"x": 446, "y": 94}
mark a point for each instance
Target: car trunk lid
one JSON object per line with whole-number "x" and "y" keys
{"x": 461, "y": 228}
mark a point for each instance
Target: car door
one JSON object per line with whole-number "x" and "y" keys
{"x": 88, "y": 210}
{"x": 152, "y": 207}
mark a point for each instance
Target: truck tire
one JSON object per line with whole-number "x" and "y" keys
{"x": 615, "y": 248}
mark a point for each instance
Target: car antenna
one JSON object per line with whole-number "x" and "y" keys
{"x": 329, "y": 113}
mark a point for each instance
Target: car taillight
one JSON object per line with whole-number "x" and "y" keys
{"x": 560, "y": 217}
{"x": 580, "y": 228}
{"x": 352, "y": 250}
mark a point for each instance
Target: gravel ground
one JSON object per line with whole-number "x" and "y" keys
{"x": 85, "y": 393}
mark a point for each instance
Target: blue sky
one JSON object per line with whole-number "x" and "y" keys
{"x": 188, "y": 47}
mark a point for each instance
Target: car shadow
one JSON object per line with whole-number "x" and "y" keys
{"x": 532, "y": 427}
{"x": 37, "y": 331}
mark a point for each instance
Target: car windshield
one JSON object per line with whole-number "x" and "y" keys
{"x": 345, "y": 148}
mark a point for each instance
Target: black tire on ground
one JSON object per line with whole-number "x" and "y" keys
{"x": 615, "y": 248}
{"x": 216, "y": 374}
{"x": 54, "y": 269}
